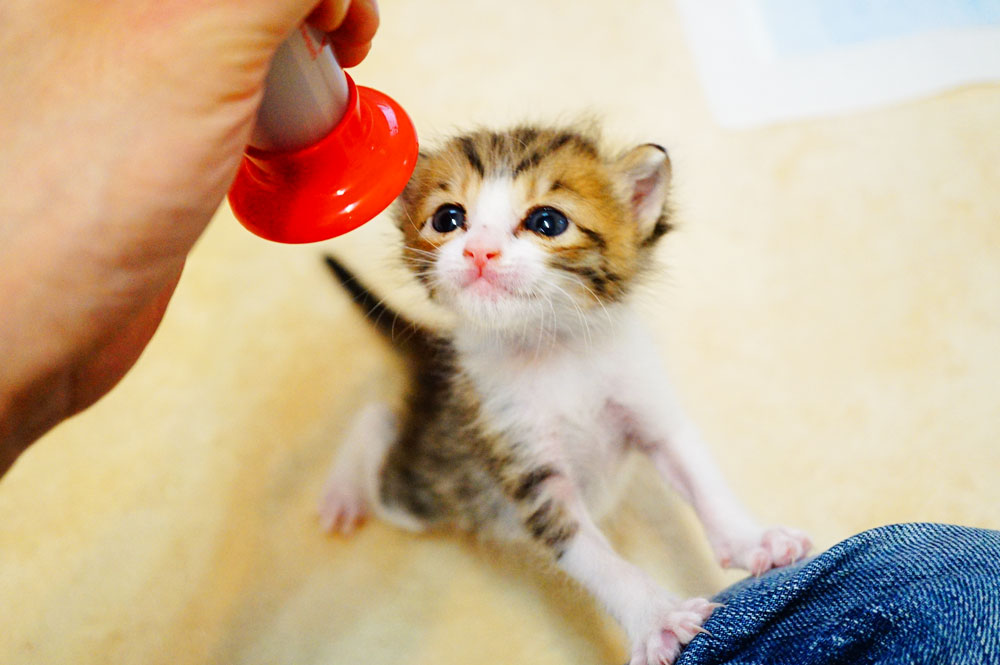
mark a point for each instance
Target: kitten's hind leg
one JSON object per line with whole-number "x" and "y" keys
{"x": 351, "y": 488}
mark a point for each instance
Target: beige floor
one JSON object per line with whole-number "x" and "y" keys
{"x": 830, "y": 310}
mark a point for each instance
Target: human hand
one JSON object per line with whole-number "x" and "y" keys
{"x": 122, "y": 123}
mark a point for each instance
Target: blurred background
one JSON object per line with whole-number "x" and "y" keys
{"x": 829, "y": 309}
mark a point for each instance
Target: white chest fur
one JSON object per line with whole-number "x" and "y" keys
{"x": 567, "y": 403}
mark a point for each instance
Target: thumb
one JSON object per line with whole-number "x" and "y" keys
{"x": 280, "y": 18}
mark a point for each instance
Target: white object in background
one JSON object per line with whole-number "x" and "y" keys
{"x": 767, "y": 61}
{"x": 305, "y": 93}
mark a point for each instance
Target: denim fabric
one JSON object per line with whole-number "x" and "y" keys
{"x": 918, "y": 594}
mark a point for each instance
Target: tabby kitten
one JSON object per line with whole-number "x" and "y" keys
{"x": 521, "y": 416}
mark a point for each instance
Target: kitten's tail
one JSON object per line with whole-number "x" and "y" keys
{"x": 401, "y": 332}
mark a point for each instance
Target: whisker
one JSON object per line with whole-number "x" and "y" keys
{"x": 553, "y": 338}
{"x": 419, "y": 262}
{"x": 417, "y": 250}
{"x": 409, "y": 218}
{"x": 579, "y": 312}
{"x": 593, "y": 295}
{"x": 541, "y": 332}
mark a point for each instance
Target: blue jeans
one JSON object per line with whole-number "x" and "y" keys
{"x": 918, "y": 594}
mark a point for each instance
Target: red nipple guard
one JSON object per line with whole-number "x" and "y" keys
{"x": 334, "y": 185}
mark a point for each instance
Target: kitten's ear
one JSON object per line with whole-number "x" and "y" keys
{"x": 646, "y": 172}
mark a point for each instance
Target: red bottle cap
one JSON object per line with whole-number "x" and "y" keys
{"x": 335, "y": 185}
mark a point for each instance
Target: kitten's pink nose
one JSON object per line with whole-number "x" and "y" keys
{"x": 481, "y": 255}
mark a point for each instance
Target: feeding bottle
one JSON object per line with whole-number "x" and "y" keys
{"x": 326, "y": 156}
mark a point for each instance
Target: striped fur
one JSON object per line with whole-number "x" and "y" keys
{"x": 448, "y": 466}
{"x": 519, "y": 418}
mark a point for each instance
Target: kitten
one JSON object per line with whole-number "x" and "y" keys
{"x": 520, "y": 417}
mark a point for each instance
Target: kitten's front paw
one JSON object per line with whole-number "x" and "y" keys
{"x": 342, "y": 508}
{"x": 764, "y": 549}
{"x": 671, "y": 626}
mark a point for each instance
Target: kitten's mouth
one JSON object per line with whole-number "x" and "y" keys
{"x": 485, "y": 286}
{"x": 490, "y": 286}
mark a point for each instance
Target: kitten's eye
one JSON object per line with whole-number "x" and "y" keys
{"x": 448, "y": 217}
{"x": 546, "y": 222}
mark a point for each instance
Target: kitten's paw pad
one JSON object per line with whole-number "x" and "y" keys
{"x": 342, "y": 509}
{"x": 770, "y": 548}
{"x": 673, "y": 628}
